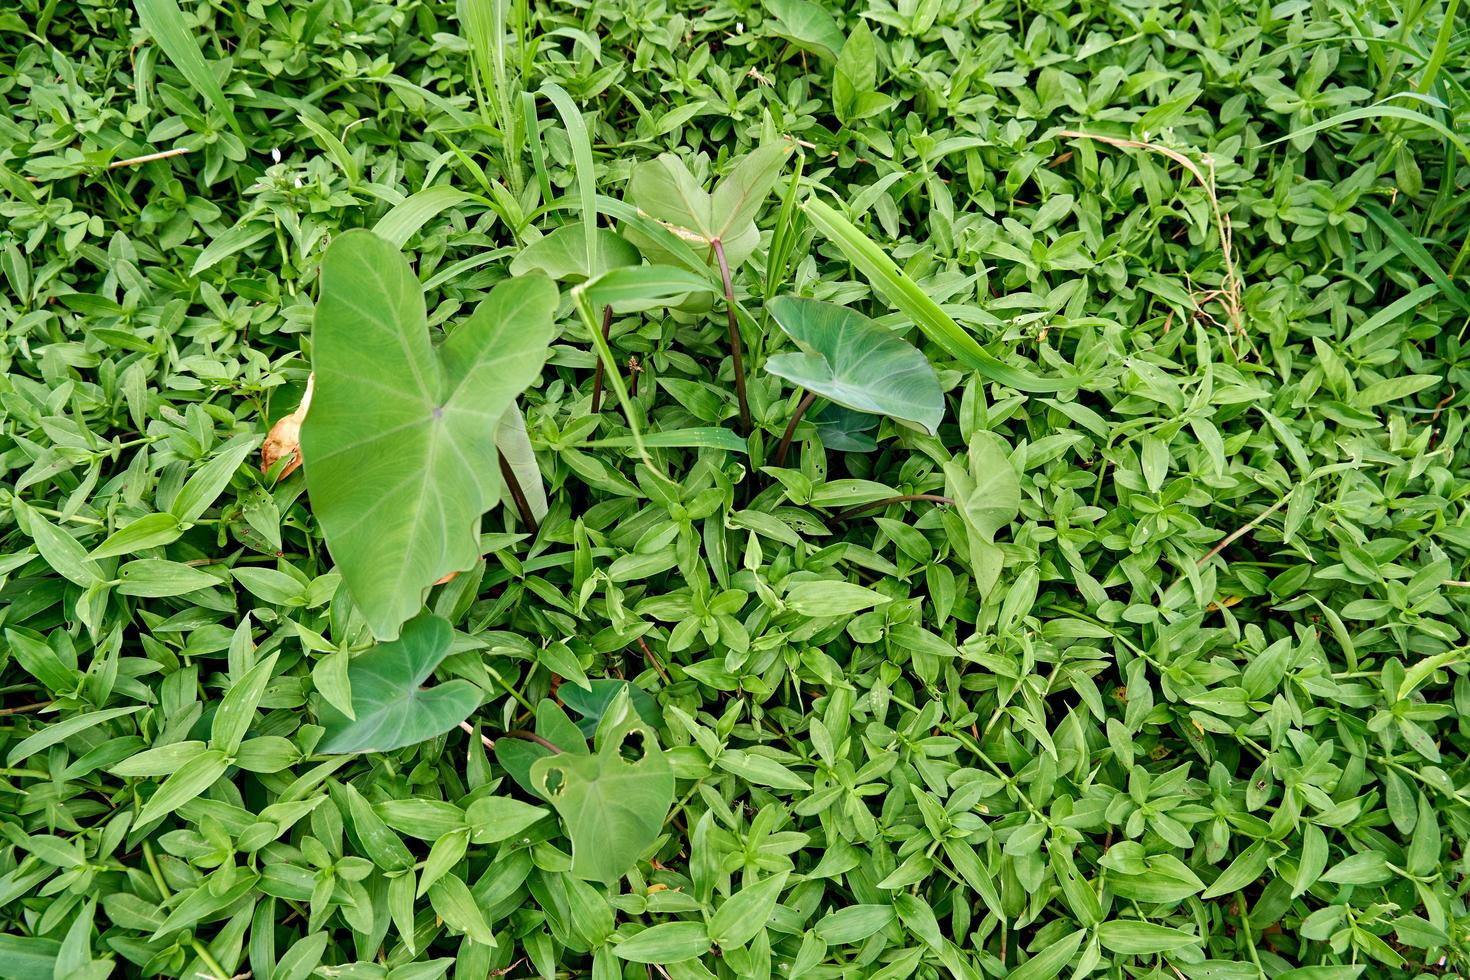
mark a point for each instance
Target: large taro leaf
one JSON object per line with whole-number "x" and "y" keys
{"x": 399, "y": 441}
{"x": 390, "y": 707}
{"x": 614, "y": 800}
{"x": 852, "y": 361}
{"x": 665, "y": 190}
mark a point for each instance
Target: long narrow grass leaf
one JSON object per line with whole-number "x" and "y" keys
{"x": 1415, "y": 252}
{"x": 165, "y": 22}
{"x": 906, "y": 294}
{"x": 571, "y": 117}
{"x": 413, "y": 212}
{"x": 1376, "y": 110}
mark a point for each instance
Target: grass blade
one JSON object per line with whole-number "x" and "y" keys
{"x": 1382, "y": 109}
{"x": 905, "y": 294}
{"x": 1414, "y": 252}
{"x": 165, "y": 22}
{"x": 416, "y": 210}
{"x": 571, "y": 117}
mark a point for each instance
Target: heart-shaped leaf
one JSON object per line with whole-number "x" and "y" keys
{"x": 399, "y": 442}
{"x": 665, "y": 190}
{"x": 390, "y": 706}
{"x": 592, "y": 702}
{"x": 613, "y": 801}
{"x": 852, "y": 361}
{"x": 844, "y": 430}
{"x": 562, "y": 254}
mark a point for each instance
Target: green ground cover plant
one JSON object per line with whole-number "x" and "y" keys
{"x": 762, "y": 488}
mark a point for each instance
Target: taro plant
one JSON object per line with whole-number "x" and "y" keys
{"x": 722, "y": 221}
{"x": 855, "y": 364}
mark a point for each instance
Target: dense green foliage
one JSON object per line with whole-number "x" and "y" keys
{"x": 1149, "y": 661}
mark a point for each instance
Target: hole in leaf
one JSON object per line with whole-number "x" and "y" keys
{"x": 553, "y": 782}
{"x": 633, "y": 747}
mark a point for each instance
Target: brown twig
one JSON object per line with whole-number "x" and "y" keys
{"x": 736, "y": 353}
{"x": 801, "y": 407}
{"x": 654, "y": 660}
{"x": 526, "y": 736}
{"x": 1230, "y": 295}
{"x": 25, "y": 708}
{"x": 177, "y": 151}
{"x": 1241, "y": 532}
{"x": 905, "y": 498}
{"x": 518, "y": 495}
{"x": 486, "y": 740}
{"x": 597, "y": 375}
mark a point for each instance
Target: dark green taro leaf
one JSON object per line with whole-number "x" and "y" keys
{"x": 592, "y": 704}
{"x": 390, "y": 707}
{"x": 843, "y": 429}
{"x": 852, "y": 361}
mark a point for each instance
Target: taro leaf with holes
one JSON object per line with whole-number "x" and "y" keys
{"x": 665, "y": 190}
{"x": 391, "y": 707}
{"x": 562, "y": 254}
{"x": 399, "y": 442}
{"x": 989, "y": 498}
{"x": 852, "y": 361}
{"x": 614, "y": 800}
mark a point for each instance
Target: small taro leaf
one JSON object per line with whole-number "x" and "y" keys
{"x": 591, "y": 704}
{"x": 852, "y": 361}
{"x": 613, "y": 806}
{"x": 390, "y": 708}
{"x": 665, "y": 190}
{"x": 807, "y": 25}
{"x": 737, "y": 199}
{"x": 843, "y": 430}
{"x": 562, "y": 254}
{"x": 399, "y": 450}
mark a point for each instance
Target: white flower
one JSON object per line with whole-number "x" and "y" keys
{"x": 740, "y": 27}
{"x": 275, "y": 155}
